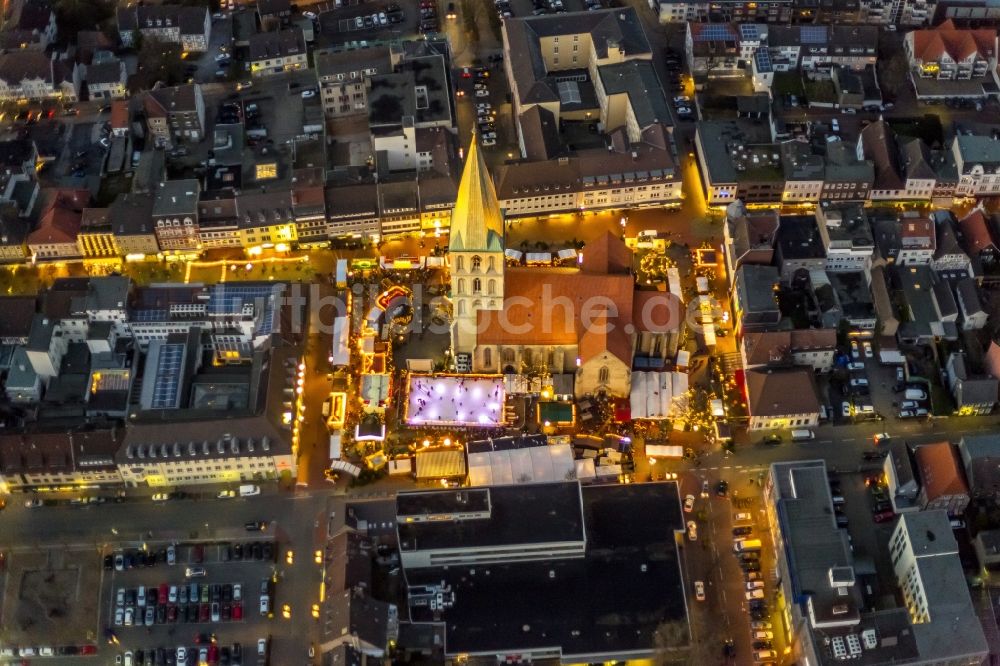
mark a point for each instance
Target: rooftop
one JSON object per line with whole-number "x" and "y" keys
{"x": 559, "y": 521}
{"x": 630, "y": 573}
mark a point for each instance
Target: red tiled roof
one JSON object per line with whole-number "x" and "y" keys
{"x": 939, "y": 470}
{"x": 63, "y": 214}
{"x": 119, "y": 114}
{"x": 547, "y": 306}
{"x": 930, "y": 44}
{"x": 977, "y": 232}
{"x": 606, "y": 254}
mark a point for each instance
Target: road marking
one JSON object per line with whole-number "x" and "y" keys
{"x": 727, "y": 467}
{"x": 849, "y": 439}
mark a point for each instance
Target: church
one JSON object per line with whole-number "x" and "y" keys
{"x": 590, "y": 321}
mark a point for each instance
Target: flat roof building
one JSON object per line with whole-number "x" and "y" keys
{"x": 569, "y": 566}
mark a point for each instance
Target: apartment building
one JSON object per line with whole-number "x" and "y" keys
{"x": 345, "y": 77}
{"x": 977, "y": 160}
{"x": 175, "y": 216}
{"x": 946, "y": 52}
{"x": 821, "y": 47}
{"x": 276, "y": 52}
{"x": 29, "y": 75}
{"x": 54, "y": 461}
{"x": 131, "y": 222}
{"x": 829, "y": 615}
{"x": 847, "y": 237}
{"x": 813, "y": 348}
{"x": 175, "y": 114}
{"x": 190, "y": 27}
{"x": 740, "y": 11}
{"x": 234, "y": 317}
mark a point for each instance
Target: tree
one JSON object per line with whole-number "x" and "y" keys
{"x": 160, "y": 61}
{"x": 76, "y": 15}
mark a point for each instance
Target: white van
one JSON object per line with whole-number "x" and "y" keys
{"x": 249, "y": 490}
{"x": 802, "y": 435}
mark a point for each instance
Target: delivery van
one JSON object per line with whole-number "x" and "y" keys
{"x": 802, "y": 435}
{"x": 249, "y": 490}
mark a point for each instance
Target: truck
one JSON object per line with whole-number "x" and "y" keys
{"x": 802, "y": 435}
{"x": 746, "y": 545}
{"x": 335, "y": 446}
{"x": 249, "y": 490}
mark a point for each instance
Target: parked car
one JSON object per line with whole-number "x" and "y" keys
{"x": 689, "y": 504}
{"x": 692, "y": 530}
{"x": 699, "y": 590}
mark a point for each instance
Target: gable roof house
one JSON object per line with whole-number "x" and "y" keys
{"x": 942, "y": 479}
{"x": 974, "y": 392}
{"x": 781, "y": 399}
{"x": 981, "y": 459}
{"x": 978, "y": 235}
{"x": 33, "y": 75}
{"x": 945, "y": 54}
{"x": 107, "y": 79}
{"x": 190, "y": 27}
{"x": 59, "y": 224}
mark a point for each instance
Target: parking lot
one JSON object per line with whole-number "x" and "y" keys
{"x": 863, "y": 389}
{"x": 211, "y": 605}
{"x": 365, "y": 21}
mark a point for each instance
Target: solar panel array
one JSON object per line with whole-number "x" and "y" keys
{"x": 716, "y": 32}
{"x": 763, "y": 58}
{"x": 812, "y": 34}
{"x": 150, "y": 315}
{"x": 749, "y": 32}
{"x": 168, "y": 376}
{"x": 228, "y": 300}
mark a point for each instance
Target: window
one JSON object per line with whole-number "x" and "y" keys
{"x": 477, "y": 262}
{"x": 477, "y": 286}
{"x": 508, "y": 355}
{"x": 604, "y": 375}
{"x": 460, "y": 263}
{"x": 487, "y": 357}
{"x": 461, "y": 286}
{"x": 492, "y": 263}
{"x": 491, "y": 288}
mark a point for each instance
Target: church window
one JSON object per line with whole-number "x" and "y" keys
{"x": 508, "y": 355}
{"x": 487, "y": 357}
{"x": 491, "y": 287}
{"x": 477, "y": 286}
{"x": 526, "y": 356}
{"x": 604, "y": 375}
{"x": 492, "y": 263}
{"x": 477, "y": 262}
{"x": 460, "y": 263}
{"x": 461, "y": 286}
{"x": 477, "y": 305}
{"x": 461, "y": 308}
{"x": 552, "y": 358}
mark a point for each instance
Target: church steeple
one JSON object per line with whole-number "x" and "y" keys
{"x": 476, "y": 220}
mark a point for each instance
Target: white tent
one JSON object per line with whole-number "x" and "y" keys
{"x": 339, "y": 352}
{"x": 533, "y": 464}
